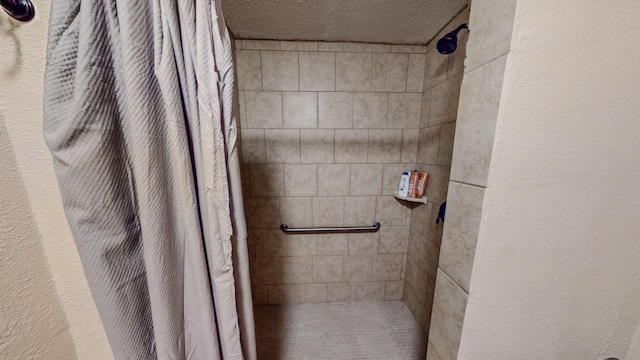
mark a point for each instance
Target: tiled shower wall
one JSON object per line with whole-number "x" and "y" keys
{"x": 443, "y": 76}
{"x": 326, "y": 131}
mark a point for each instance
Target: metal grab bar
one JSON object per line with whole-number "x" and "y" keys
{"x": 313, "y": 230}
{"x": 21, "y": 10}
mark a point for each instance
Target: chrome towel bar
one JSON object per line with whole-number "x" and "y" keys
{"x": 316, "y": 230}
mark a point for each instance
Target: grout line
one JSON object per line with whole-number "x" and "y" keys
{"x": 468, "y": 184}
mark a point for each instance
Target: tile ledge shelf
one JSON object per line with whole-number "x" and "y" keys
{"x": 422, "y": 200}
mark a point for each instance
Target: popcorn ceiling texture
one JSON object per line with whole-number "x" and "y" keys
{"x": 326, "y": 131}
{"x": 375, "y": 21}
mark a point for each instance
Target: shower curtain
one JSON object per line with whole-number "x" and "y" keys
{"x": 138, "y": 117}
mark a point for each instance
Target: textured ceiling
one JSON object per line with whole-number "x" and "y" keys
{"x": 379, "y": 21}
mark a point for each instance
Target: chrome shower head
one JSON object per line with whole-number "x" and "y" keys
{"x": 449, "y": 42}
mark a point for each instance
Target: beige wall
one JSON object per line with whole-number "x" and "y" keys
{"x": 32, "y": 322}
{"x": 443, "y": 75}
{"x": 22, "y": 54}
{"x": 556, "y": 273}
{"x": 327, "y": 130}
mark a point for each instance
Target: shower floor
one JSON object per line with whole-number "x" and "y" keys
{"x": 357, "y": 330}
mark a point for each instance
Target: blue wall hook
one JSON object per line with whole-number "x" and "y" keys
{"x": 443, "y": 208}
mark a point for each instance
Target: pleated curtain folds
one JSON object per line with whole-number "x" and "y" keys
{"x": 139, "y": 119}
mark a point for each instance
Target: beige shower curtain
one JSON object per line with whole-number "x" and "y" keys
{"x": 138, "y": 100}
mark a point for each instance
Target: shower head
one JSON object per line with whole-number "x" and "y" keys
{"x": 449, "y": 42}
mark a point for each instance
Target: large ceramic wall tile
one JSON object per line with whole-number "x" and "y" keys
{"x": 389, "y": 72}
{"x": 404, "y": 110}
{"x": 317, "y": 146}
{"x": 424, "y": 253}
{"x": 266, "y": 271}
{"x": 428, "y": 140}
{"x": 445, "y": 143}
{"x": 280, "y": 70}
{"x": 317, "y": 71}
{"x": 434, "y": 230}
{"x": 299, "y": 110}
{"x": 353, "y": 71}
{"x": 362, "y": 47}
{"x": 249, "y": 70}
{"x": 417, "y": 280}
{"x": 363, "y": 243}
{"x": 260, "y": 45}
{"x": 387, "y": 267}
{"x": 267, "y": 180}
{"x": 302, "y": 244}
{"x": 357, "y": 267}
{"x": 333, "y": 179}
{"x": 394, "y": 290}
{"x": 327, "y": 269}
{"x": 491, "y": 21}
{"x": 436, "y": 68}
{"x": 449, "y": 305}
{"x": 370, "y": 110}
{"x": 476, "y": 124}
{"x": 269, "y": 242}
{"x": 282, "y": 146}
{"x": 328, "y": 211}
{"x": 359, "y": 210}
{"x": 264, "y": 109}
{"x": 297, "y": 293}
{"x": 335, "y": 110}
{"x": 336, "y": 46}
{"x": 390, "y": 211}
{"x": 260, "y": 294}
{"x": 438, "y": 183}
{"x": 242, "y": 110}
{"x": 409, "y": 146}
{"x": 424, "y": 110}
{"x": 351, "y": 146}
{"x": 263, "y": 212}
{"x": 385, "y": 146}
{"x": 393, "y": 240}
{"x": 300, "y": 180}
{"x": 456, "y": 59}
{"x": 333, "y": 244}
{"x": 464, "y": 205}
{"x": 419, "y": 218}
{"x": 444, "y": 101}
{"x": 391, "y": 177}
{"x": 299, "y": 45}
{"x": 366, "y": 179}
{"x": 297, "y": 269}
{"x": 359, "y": 291}
{"x": 415, "y": 72}
{"x": 296, "y": 211}
{"x": 253, "y": 148}
{"x": 416, "y": 49}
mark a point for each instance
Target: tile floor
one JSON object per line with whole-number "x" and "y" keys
{"x": 340, "y": 331}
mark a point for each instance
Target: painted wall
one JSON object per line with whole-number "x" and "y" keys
{"x": 557, "y": 272}
{"x": 327, "y": 130}
{"x": 22, "y": 59}
{"x": 443, "y": 75}
{"x": 32, "y": 322}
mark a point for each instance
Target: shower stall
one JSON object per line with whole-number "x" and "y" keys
{"x": 326, "y": 129}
